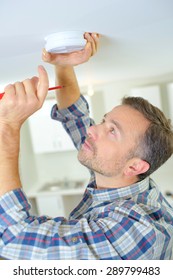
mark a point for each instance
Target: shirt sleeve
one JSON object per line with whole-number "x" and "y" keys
{"x": 75, "y": 120}
{"x": 23, "y": 236}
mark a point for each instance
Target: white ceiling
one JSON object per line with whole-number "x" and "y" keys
{"x": 137, "y": 37}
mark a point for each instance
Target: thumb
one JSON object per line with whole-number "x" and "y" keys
{"x": 87, "y": 50}
{"x": 43, "y": 83}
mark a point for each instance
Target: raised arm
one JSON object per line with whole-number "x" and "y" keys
{"x": 70, "y": 93}
{"x": 64, "y": 71}
{"x": 75, "y": 119}
{"x": 20, "y": 101}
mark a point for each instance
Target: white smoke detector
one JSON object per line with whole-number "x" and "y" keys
{"x": 65, "y": 42}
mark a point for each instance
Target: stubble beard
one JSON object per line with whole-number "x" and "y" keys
{"x": 97, "y": 164}
{"x": 88, "y": 158}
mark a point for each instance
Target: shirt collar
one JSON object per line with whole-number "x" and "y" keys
{"x": 118, "y": 193}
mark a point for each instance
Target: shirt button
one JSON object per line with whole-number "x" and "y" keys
{"x": 74, "y": 239}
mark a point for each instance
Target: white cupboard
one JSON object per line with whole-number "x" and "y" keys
{"x": 48, "y": 135}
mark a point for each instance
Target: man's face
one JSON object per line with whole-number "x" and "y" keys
{"x": 109, "y": 145}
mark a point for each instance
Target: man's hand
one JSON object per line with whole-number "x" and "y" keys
{"x": 74, "y": 58}
{"x": 22, "y": 99}
{"x": 64, "y": 71}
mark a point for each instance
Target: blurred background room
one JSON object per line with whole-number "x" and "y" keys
{"x": 135, "y": 57}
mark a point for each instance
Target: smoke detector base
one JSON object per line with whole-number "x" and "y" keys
{"x": 65, "y": 42}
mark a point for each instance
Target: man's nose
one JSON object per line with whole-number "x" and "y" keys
{"x": 92, "y": 132}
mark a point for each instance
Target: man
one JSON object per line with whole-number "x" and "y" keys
{"x": 122, "y": 215}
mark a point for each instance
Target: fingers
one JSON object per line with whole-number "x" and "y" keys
{"x": 49, "y": 57}
{"x": 9, "y": 90}
{"x": 13, "y": 91}
{"x": 37, "y": 86}
{"x": 91, "y": 46}
{"x": 22, "y": 99}
{"x": 46, "y": 56}
{"x": 96, "y": 37}
{"x": 52, "y": 58}
{"x": 20, "y": 91}
{"x": 29, "y": 88}
{"x": 35, "y": 81}
{"x": 92, "y": 42}
{"x": 76, "y": 57}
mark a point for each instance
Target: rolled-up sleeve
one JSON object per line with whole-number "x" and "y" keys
{"x": 75, "y": 120}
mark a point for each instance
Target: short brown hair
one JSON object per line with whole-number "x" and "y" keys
{"x": 156, "y": 145}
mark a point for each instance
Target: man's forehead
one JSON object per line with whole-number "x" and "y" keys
{"x": 119, "y": 108}
{"x": 124, "y": 109}
{"x": 126, "y": 114}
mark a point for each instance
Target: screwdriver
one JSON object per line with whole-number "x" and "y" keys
{"x": 51, "y": 88}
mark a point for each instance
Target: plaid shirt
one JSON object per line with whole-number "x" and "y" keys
{"x": 134, "y": 222}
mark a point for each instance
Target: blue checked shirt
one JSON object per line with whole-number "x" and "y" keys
{"x": 134, "y": 222}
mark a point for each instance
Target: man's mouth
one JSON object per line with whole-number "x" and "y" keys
{"x": 87, "y": 145}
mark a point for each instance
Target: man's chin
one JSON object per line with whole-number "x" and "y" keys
{"x": 83, "y": 160}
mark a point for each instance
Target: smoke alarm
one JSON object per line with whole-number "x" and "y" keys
{"x": 65, "y": 42}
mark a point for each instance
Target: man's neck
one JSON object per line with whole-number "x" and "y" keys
{"x": 104, "y": 182}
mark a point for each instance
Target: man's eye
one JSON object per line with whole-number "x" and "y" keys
{"x": 112, "y": 130}
{"x": 102, "y": 121}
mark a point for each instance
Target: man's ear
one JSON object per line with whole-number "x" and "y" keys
{"x": 136, "y": 166}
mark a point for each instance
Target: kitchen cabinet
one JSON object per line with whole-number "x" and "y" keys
{"x": 56, "y": 200}
{"x": 57, "y": 205}
{"x": 50, "y": 205}
{"x": 48, "y": 135}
